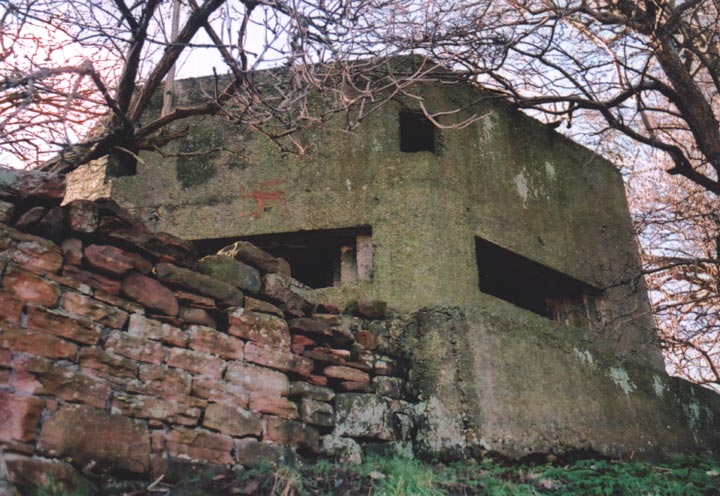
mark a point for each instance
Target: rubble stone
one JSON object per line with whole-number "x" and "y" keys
{"x": 252, "y": 255}
{"x": 115, "y": 260}
{"x": 199, "y": 444}
{"x": 150, "y": 293}
{"x": 259, "y": 327}
{"x": 203, "y": 284}
{"x": 88, "y": 434}
{"x": 19, "y": 416}
{"x": 232, "y": 420}
{"x": 231, "y": 271}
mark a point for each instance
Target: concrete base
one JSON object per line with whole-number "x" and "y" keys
{"x": 517, "y": 386}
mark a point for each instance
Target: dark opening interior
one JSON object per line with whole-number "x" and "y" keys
{"x": 530, "y": 285}
{"x": 121, "y": 164}
{"x": 417, "y": 132}
{"x": 314, "y": 256}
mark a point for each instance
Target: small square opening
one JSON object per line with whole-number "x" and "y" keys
{"x": 417, "y": 132}
{"x": 534, "y": 287}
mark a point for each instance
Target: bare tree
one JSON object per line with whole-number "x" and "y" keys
{"x": 678, "y": 224}
{"x": 120, "y": 56}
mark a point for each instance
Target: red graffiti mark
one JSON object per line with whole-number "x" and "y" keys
{"x": 264, "y": 194}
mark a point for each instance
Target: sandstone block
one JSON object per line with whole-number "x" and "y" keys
{"x": 323, "y": 355}
{"x": 170, "y": 249}
{"x": 36, "y": 343}
{"x": 252, "y": 453}
{"x": 199, "y": 444}
{"x": 83, "y": 215}
{"x": 95, "y": 281}
{"x": 30, "y": 472}
{"x": 346, "y": 374}
{"x": 260, "y": 306}
{"x": 197, "y": 316}
{"x": 257, "y": 378}
{"x": 219, "y": 391}
{"x": 116, "y": 301}
{"x": 312, "y": 391}
{"x": 149, "y": 407}
{"x": 88, "y": 307}
{"x": 317, "y": 412}
{"x": 145, "y": 328}
{"x": 161, "y": 381}
{"x": 232, "y": 420}
{"x": 150, "y": 293}
{"x": 201, "y": 283}
{"x": 321, "y": 331}
{"x": 64, "y": 381}
{"x": 30, "y": 217}
{"x": 19, "y": 416}
{"x": 18, "y": 183}
{"x": 292, "y": 296}
{"x": 318, "y": 380}
{"x": 72, "y": 251}
{"x": 274, "y": 405}
{"x": 300, "y": 343}
{"x": 294, "y": 433}
{"x": 196, "y": 361}
{"x": 10, "y": 308}
{"x": 252, "y": 255}
{"x": 260, "y": 327}
{"x": 123, "y": 229}
{"x": 33, "y": 253}
{"x": 278, "y": 359}
{"x": 195, "y": 300}
{"x": 88, "y": 434}
{"x": 28, "y": 287}
{"x": 6, "y": 212}
{"x": 139, "y": 349}
{"x": 231, "y": 271}
{"x": 328, "y": 318}
{"x": 157, "y": 441}
{"x": 209, "y": 340}
{"x": 108, "y": 363}
{"x": 59, "y": 323}
{"x": 115, "y": 260}
{"x": 5, "y": 358}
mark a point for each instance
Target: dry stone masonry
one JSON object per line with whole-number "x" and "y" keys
{"x": 122, "y": 354}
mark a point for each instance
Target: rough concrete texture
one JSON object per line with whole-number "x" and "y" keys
{"x": 570, "y": 396}
{"x": 507, "y": 179}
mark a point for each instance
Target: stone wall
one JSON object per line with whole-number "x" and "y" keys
{"x": 122, "y": 354}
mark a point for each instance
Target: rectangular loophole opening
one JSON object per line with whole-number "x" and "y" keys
{"x": 534, "y": 287}
{"x": 417, "y": 132}
{"x": 319, "y": 259}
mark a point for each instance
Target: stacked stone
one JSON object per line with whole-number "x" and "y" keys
{"x": 120, "y": 350}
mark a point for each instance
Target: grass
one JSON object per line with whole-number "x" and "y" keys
{"x": 677, "y": 476}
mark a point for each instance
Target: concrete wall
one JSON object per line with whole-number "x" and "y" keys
{"x": 519, "y": 386}
{"x": 507, "y": 179}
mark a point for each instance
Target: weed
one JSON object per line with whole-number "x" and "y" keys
{"x": 55, "y": 488}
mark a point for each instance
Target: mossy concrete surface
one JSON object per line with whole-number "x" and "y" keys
{"x": 526, "y": 387}
{"x": 506, "y": 178}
